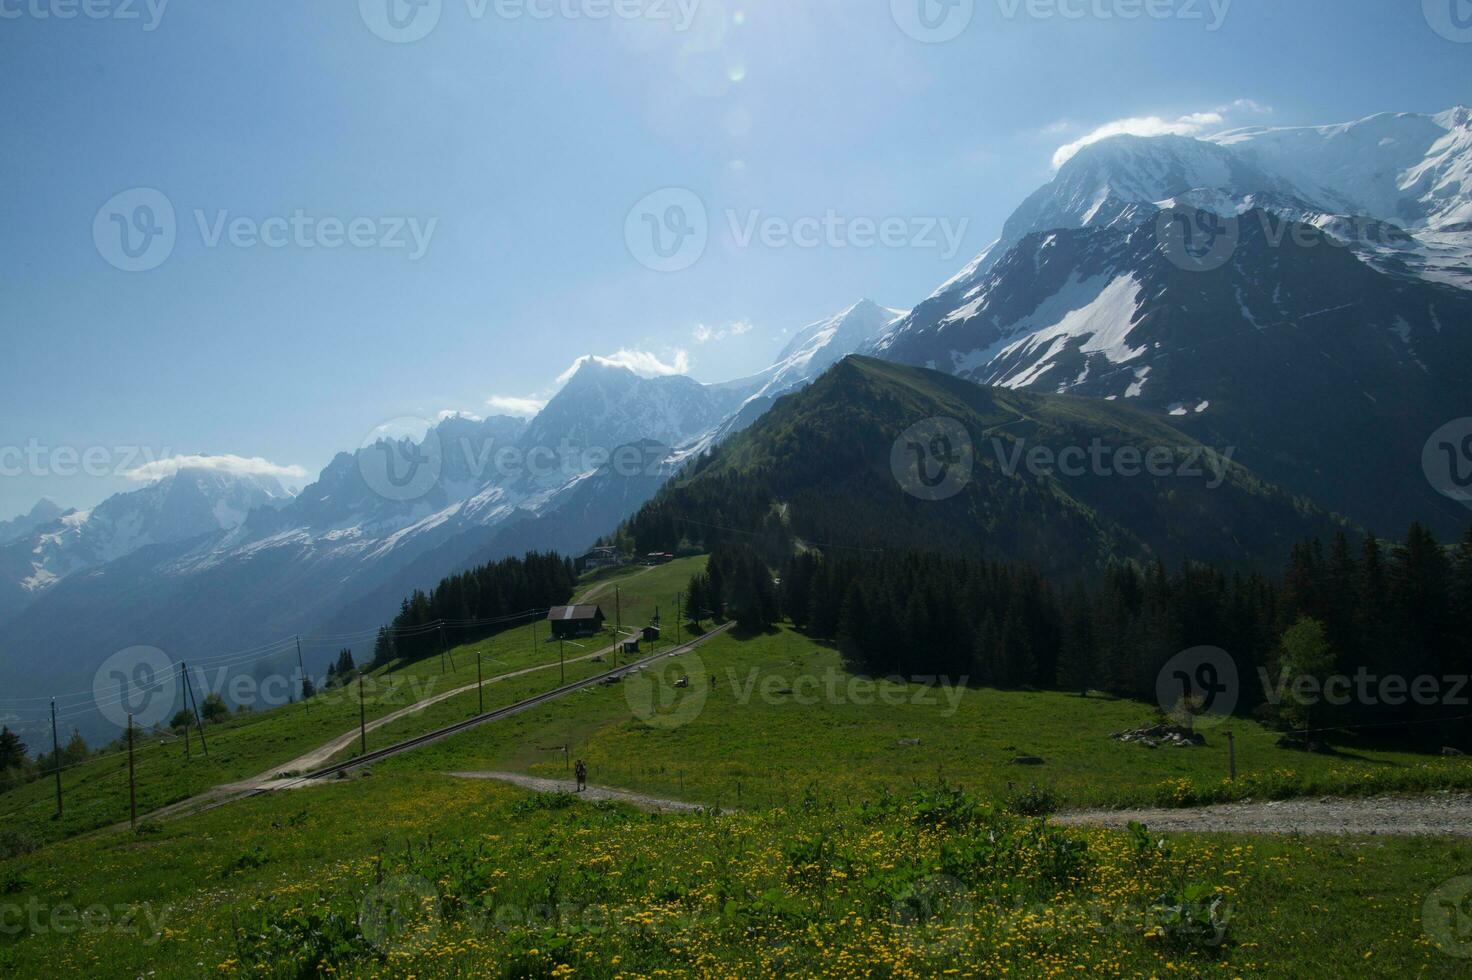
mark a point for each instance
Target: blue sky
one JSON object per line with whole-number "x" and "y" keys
{"x": 517, "y": 146}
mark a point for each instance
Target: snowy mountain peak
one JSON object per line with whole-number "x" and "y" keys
{"x": 845, "y": 332}
{"x": 591, "y": 369}
{"x": 45, "y": 512}
{"x": 1395, "y": 187}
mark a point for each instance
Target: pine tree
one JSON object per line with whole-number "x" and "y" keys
{"x": 1462, "y": 589}
{"x": 75, "y": 749}
{"x": 1076, "y": 663}
{"x": 715, "y": 592}
{"x": 853, "y": 627}
{"x": 12, "y": 750}
{"x": 695, "y": 601}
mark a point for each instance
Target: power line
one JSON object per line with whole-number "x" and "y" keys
{"x": 257, "y": 654}
{"x": 815, "y": 544}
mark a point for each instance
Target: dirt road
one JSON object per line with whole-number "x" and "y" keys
{"x": 1435, "y": 815}
{"x": 539, "y": 785}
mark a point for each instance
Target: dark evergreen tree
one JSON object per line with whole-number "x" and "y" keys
{"x": 12, "y": 750}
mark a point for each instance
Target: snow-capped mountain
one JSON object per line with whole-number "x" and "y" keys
{"x": 818, "y": 346}
{"x": 1395, "y": 187}
{"x": 43, "y": 513}
{"x": 187, "y": 504}
{"x": 1209, "y": 280}
{"x": 813, "y": 349}
{"x": 606, "y": 405}
{"x": 397, "y": 514}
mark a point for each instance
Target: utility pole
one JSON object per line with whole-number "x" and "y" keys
{"x": 618, "y": 624}
{"x": 56, "y": 757}
{"x": 362, "y": 720}
{"x": 306, "y": 701}
{"x": 444, "y": 648}
{"x": 197, "y": 721}
{"x": 1231, "y": 756}
{"x": 132, "y": 784}
{"x": 561, "y": 664}
{"x": 679, "y": 614}
{"x": 480, "y": 694}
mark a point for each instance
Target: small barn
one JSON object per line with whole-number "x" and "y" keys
{"x": 575, "y": 620}
{"x": 650, "y": 634}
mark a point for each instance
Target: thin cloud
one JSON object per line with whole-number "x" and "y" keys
{"x": 641, "y": 362}
{"x": 706, "y": 335}
{"x": 511, "y": 405}
{"x": 232, "y": 465}
{"x": 1191, "y": 124}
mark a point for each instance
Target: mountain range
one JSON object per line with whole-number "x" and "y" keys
{"x": 1302, "y": 295}
{"x": 203, "y": 555}
{"x": 876, "y": 455}
{"x": 1298, "y": 299}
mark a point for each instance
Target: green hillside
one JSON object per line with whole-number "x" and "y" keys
{"x": 1056, "y": 482}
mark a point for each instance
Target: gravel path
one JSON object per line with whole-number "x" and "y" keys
{"x": 590, "y": 793}
{"x": 320, "y": 756}
{"x": 1437, "y": 815}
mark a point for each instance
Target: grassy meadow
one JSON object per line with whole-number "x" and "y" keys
{"x": 854, "y": 829}
{"x": 421, "y": 875}
{"x": 247, "y": 745}
{"x": 732, "y": 738}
